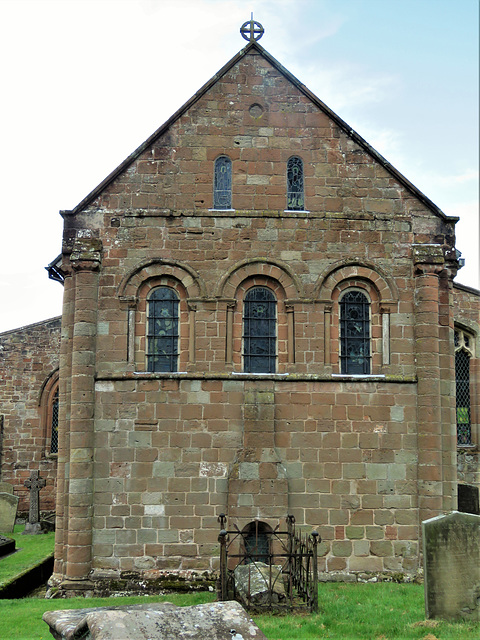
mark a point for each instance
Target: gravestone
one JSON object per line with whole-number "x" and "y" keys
{"x": 8, "y": 511}
{"x": 451, "y": 553}
{"x": 163, "y": 621}
{"x": 34, "y": 483}
{"x": 5, "y": 487}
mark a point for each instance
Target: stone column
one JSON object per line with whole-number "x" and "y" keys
{"x": 429, "y": 263}
{"x": 85, "y": 260}
{"x": 61, "y": 522}
{"x": 448, "y": 390}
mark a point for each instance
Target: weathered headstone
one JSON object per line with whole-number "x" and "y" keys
{"x": 34, "y": 483}
{"x": 5, "y": 487}
{"x": 8, "y": 511}
{"x": 165, "y": 621}
{"x": 451, "y": 552}
{"x": 259, "y": 583}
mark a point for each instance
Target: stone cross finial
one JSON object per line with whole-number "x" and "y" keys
{"x": 252, "y": 30}
{"x": 34, "y": 484}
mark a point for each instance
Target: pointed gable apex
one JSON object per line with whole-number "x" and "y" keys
{"x": 255, "y": 47}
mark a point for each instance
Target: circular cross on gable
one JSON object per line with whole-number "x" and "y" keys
{"x": 252, "y": 30}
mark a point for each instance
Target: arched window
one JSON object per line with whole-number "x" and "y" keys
{"x": 295, "y": 192}
{"x": 355, "y": 333}
{"x": 162, "y": 333}
{"x": 48, "y": 403}
{"x": 256, "y": 541}
{"x": 222, "y": 188}
{"x": 463, "y": 353}
{"x": 53, "y": 416}
{"x": 260, "y": 331}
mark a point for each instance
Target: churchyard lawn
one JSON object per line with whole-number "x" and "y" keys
{"x": 30, "y": 551}
{"x": 383, "y": 611}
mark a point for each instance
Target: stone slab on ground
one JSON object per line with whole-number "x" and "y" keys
{"x": 8, "y": 511}
{"x": 451, "y": 551}
{"x": 161, "y": 621}
{"x": 7, "y": 546}
{"x": 259, "y": 583}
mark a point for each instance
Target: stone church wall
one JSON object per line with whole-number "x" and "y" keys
{"x": 28, "y": 368}
{"x": 154, "y": 458}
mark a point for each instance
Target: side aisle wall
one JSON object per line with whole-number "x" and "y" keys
{"x": 28, "y": 378}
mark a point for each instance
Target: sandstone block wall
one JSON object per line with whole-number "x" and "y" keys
{"x": 29, "y": 359}
{"x": 151, "y": 460}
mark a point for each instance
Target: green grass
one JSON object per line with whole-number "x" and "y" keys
{"x": 383, "y": 611}
{"x": 31, "y": 550}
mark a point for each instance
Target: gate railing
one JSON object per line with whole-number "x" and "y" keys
{"x": 290, "y": 558}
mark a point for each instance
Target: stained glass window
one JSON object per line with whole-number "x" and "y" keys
{"x": 162, "y": 335}
{"x": 54, "y": 424}
{"x": 462, "y": 387}
{"x": 355, "y": 333}
{"x": 295, "y": 195}
{"x": 259, "y": 331}
{"x": 222, "y": 190}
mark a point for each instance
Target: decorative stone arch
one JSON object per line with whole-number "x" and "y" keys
{"x": 48, "y": 407}
{"x": 334, "y": 274}
{"x": 133, "y": 290}
{"x": 231, "y": 290}
{"x": 157, "y": 268}
{"x": 382, "y": 293}
{"x": 261, "y": 266}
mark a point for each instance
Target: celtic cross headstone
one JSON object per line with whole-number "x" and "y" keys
{"x": 34, "y": 484}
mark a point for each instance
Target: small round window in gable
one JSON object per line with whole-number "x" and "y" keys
{"x": 256, "y": 110}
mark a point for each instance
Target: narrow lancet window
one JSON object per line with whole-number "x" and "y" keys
{"x": 260, "y": 331}
{"x": 295, "y": 191}
{"x": 462, "y": 387}
{"x": 355, "y": 333}
{"x": 222, "y": 189}
{"x": 162, "y": 333}
{"x": 54, "y": 424}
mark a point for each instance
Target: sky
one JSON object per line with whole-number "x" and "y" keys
{"x": 85, "y": 82}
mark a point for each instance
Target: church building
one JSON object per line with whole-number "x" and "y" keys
{"x": 260, "y": 319}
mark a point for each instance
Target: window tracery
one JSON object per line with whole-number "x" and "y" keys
{"x": 463, "y": 352}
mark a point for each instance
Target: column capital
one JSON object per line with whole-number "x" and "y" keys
{"x": 429, "y": 259}
{"x": 86, "y": 254}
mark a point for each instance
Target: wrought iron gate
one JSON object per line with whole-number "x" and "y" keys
{"x": 290, "y": 558}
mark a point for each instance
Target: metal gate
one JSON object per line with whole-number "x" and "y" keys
{"x": 284, "y": 556}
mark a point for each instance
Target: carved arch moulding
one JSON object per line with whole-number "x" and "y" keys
{"x": 157, "y": 268}
{"x": 332, "y": 276}
{"x": 266, "y": 267}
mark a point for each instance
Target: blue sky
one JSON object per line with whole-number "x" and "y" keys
{"x": 86, "y": 81}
